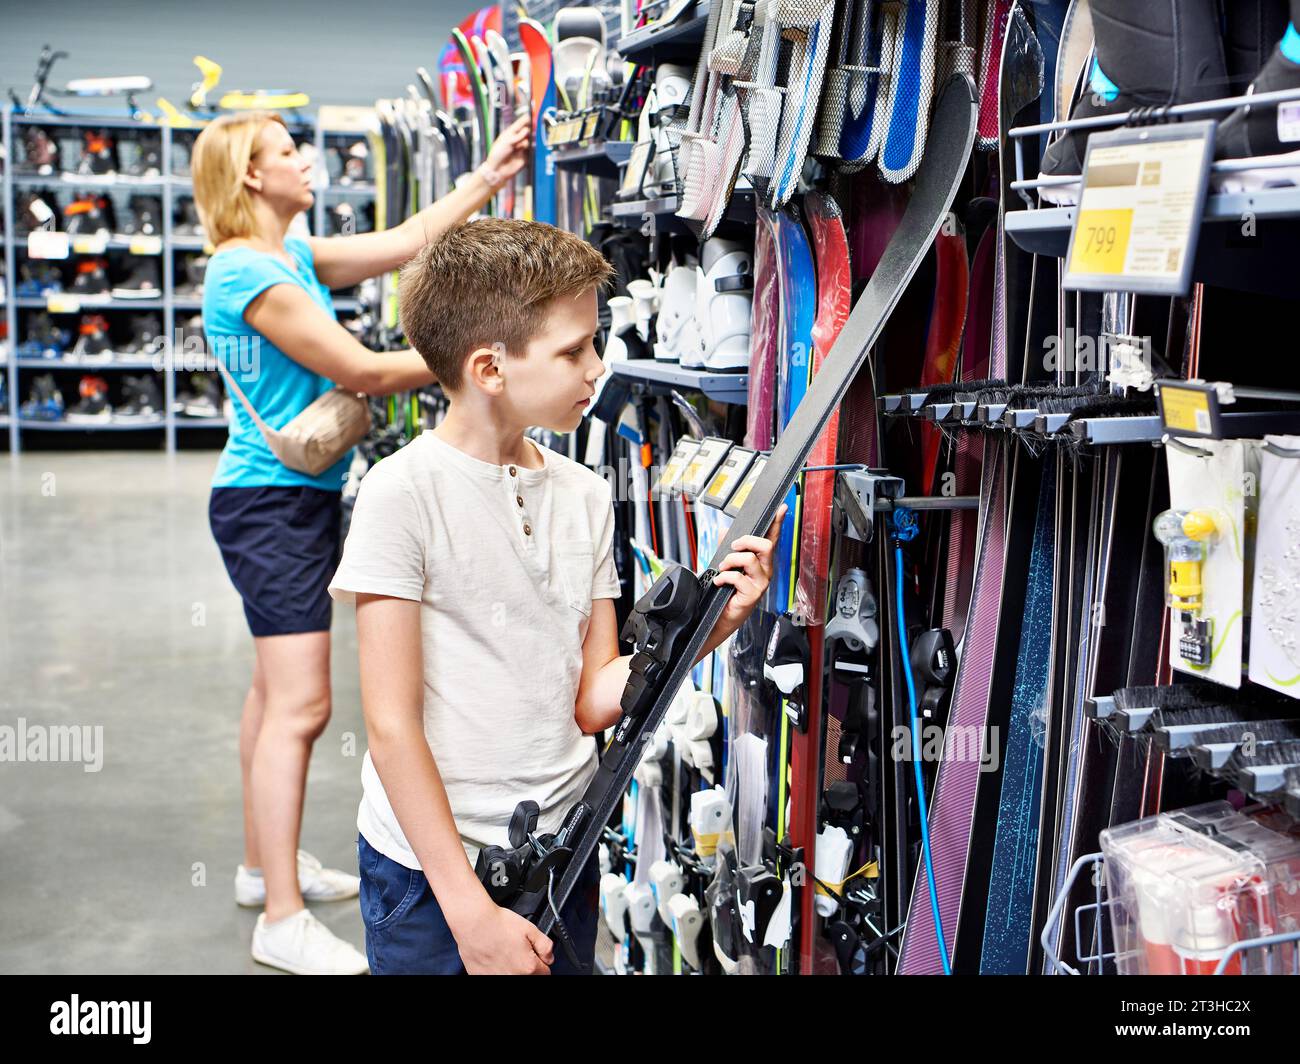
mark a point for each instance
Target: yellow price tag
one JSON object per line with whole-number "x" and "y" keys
{"x": 742, "y": 493}
{"x": 61, "y": 304}
{"x": 719, "y": 484}
{"x": 1185, "y": 409}
{"x": 1101, "y": 241}
{"x": 146, "y": 245}
{"x": 90, "y": 245}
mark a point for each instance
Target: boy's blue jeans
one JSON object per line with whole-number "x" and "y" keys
{"x": 407, "y": 935}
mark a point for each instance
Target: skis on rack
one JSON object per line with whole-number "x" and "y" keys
{"x": 481, "y": 111}
{"x": 859, "y": 133}
{"x": 797, "y": 282}
{"x": 809, "y": 594}
{"x": 962, "y": 818}
{"x": 537, "y": 46}
{"x": 536, "y": 875}
{"x": 911, "y": 89}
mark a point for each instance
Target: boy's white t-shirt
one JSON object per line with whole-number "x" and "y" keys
{"x": 505, "y": 563}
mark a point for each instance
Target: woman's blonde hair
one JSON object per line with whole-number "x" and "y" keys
{"x": 219, "y": 162}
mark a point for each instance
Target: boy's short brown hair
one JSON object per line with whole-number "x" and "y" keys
{"x": 490, "y": 282}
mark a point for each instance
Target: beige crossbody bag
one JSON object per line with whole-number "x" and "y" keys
{"x": 330, "y": 426}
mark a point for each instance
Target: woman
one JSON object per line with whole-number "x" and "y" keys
{"x": 268, "y": 317}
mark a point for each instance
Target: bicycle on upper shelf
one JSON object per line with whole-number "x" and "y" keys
{"x": 39, "y": 96}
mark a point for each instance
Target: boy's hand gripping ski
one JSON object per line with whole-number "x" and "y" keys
{"x": 669, "y": 625}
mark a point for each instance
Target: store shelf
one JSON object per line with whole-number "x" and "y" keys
{"x": 113, "y": 120}
{"x": 66, "y": 180}
{"x": 173, "y": 307}
{"x": 71, "y": 363}
{"x": 654, "y": 43}
{"x": 91, "y": 303}
{"x": 600, "y": 160}
{"x": 366, "y": 189}
{"x": 29, "y": 424}
{"x": 724, "y": 387}
{"x": 1246, "y": 239}
{"x": 78, "y": 245}
{"x": 184, "y": 422}
{"x": 663, "y": 211}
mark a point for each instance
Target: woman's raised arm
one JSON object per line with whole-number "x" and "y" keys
{"x": 287, "y": 316}
{"x": 342, "y": 261}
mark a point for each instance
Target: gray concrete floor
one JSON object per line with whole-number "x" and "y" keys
{"x": 115, "y": 611}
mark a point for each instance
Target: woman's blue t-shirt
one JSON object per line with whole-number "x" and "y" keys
{"x": 278, "y": 387}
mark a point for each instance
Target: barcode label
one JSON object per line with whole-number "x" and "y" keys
{"x": 1288, "y": 122}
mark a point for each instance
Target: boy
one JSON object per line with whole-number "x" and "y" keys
{"x": 483, "y": 573}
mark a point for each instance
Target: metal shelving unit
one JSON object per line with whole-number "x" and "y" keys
{"x": 654, "y": 43}
{"x": 662, "y": 212}
{"x": 168, "y": 187}
{"x": 1229, "y": 253}
{"x": 598, "y": 160}
{"x": 724, "y": 387}
{"x": 31, "y": 423}
{"x": 73, "y": 363}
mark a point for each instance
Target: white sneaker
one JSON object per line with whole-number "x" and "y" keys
{"x": 315, "y": 882}
{"x": 301, "y": 945}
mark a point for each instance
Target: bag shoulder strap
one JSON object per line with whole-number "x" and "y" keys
{"x": 262, "y": 426}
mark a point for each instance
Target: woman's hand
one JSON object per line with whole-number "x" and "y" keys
{"x": 511, "y": 148}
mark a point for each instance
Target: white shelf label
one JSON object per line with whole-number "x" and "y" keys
{"x": 1139, "y": 214}
{"x": 43, "y": 244}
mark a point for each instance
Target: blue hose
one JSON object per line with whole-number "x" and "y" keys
{"x": 905, "y": 528}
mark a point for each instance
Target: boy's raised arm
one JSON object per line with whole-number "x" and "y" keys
{"x": 490, "y": 939}
{"x": 748, "y": 569}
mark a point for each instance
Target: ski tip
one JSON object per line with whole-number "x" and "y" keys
{"x": 957, "y": 82}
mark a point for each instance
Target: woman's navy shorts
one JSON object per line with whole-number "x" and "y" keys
{"x": 281, "y": 547}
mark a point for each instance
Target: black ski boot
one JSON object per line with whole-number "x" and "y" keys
{"x": 1256, "y": 133}
{"x": 1251, "y": 30}
{"x": 98, "y": 154}
{"x": 36, "y": 279}
{"x": 37, "y": 210}
{"x": 195, "y": 267}
{"x": 202, "y": 399}
{"x": 144, "y": 217}
{"x": 45, "y": 401}
{"x": 187, "y": 218}
{"x": 88, "y": 215}
{"x": 43, "y": 339}
{"x": 145, "y": 331}
{"x": 93, "y": 404}
{"x": 146, "y": 163}
{"x": 91, "y": 279}
{"x": 141, "y": 400}
{"x": 343, "y": 220}
{"x": 1154, "y": 54}
{"x": 142, "y": 283}
{"x": 93, "y": 343}
{"x": 40, "y": 153}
